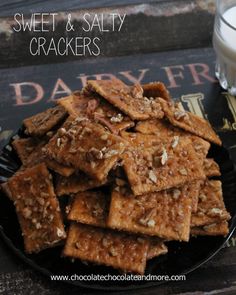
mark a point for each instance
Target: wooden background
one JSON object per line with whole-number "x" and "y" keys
{"x": 150, "y": 27}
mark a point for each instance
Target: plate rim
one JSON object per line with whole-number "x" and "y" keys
{"x": 134, "y": 285}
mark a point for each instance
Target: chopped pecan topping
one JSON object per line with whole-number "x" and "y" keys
{"x": 137, "y": 91}
{"x": 175, "y": 142}
{"x": 77, "y": 245}
{"x": 113, "y": 252}
{"x": 94, "y": 154}
{"x": 183, "y": 171}
{"x": 180, "y": 114}
{"x": 60, "y": 233}
{"x": 117, "y": 119}
{"x": 176, "y": 193}
{"x": 26, "y": 212}
{"x": 164, "y": 156}
{"x": 152, "y": 176}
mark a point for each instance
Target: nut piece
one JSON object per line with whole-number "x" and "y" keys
{"x": 94, "y": 154}
{"x": 151, "y": 223}
{"x": 59, "y": 142}
{"x": 104, "y": 136}
{"x": 77, "y": 245}
{"x": 152, "y": 176}
{"x": 26, "y": 212}
{"x": 203, "y": 197}
{"x": 113, "y": 252}
{"x": 175, "y": 142}
{"x": 164, "y": 157}
{"x": 216, "y": 211}
{"x": 180, "y": 114}
{"x": 176, "y": 193}
{"x": 117, "y": 119}
{"x": 183, "y": 171}
{"x": 60, "y": 233}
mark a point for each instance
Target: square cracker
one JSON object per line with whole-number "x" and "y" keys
{"x": 141, "y": 140}
{"x": 61, "y": 169}
{"x": 161, "y": 167}
{"x": 86, "y": 146}
{"x": 211, "y": 207}
{"x": 189, "y": 122}
{"x": 200, "y": 146}
{"x": 161, "y": 128}
{"x": 75, "y": 183}
{"x": 41, "y": 123}
{"x": 92, "y": 106}
{"x": 214, "y": 229}
{"x": 195, "y": 187}
{"x": 74, "y": 107}
{"x": 129, "y": 99}
{"x": 90, "y": 207}
{"x": 37, "y": 156}
{"x": 103, "y": 246}
{"x": 164, "y": 130}
{"x": 37, "y": 208}
{"x": 165, "y": 214}
{"x": 24, "y": 147}
{"x": 156, "y": 89}
{"x": 211, "y": 168}
{"x": 156, "y": 248}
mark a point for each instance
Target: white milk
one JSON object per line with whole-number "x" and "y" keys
{"x": 224, "y": 41}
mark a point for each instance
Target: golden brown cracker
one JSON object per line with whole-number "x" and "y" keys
{"x": 91, "y": 106}
{"x": 195, "y": 187}
{"x": 86, "y": 146}
{"x": 156, "y": 248}
{"x": 129, "y": 99}
{"x": 141, "y": 140}
{"x": 24, "y": 147}
{"x": 102, "y": 246}
{"x": 165, "y": 214}
{"x": 74, "y": 104}
{"x": 90, "y": 207}
{"x": 211, "y": 168}
{"x": 161, "y": 167}
{"x": 214, "y": 229}
{"x": 161, "y": 128}
{"x": 156, "y": 89}
{"x": 37, "y": 208}
{"x": 189, "y": 122}
{"x": 41, "y": 123}
{"x": 200, "y": 146}
{"x": 37, "y": 156}
{"x": 211, "y": 207}
{"x": 164, "y": 130}
{"x": 75, "y": 183}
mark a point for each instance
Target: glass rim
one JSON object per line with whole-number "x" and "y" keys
{"x": 221, "y": 16}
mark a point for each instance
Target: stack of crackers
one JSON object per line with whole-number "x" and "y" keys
{"x": 134, "y": 165}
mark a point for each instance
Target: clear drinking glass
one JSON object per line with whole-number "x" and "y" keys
{"x": 224, "y": 42}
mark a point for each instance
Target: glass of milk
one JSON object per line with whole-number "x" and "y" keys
{"x": 224, "y": 42}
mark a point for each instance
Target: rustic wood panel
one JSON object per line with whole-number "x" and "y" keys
{"x": 148, "y": 28}
{"x": 8, "y": 8}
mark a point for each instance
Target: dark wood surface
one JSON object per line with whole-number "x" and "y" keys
{"x": 7, "y": 8}
{"x": 171, "y": 25}
{"x": 149, "y": 27}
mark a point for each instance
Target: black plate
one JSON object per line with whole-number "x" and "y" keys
{"x": 181, "y": 259}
